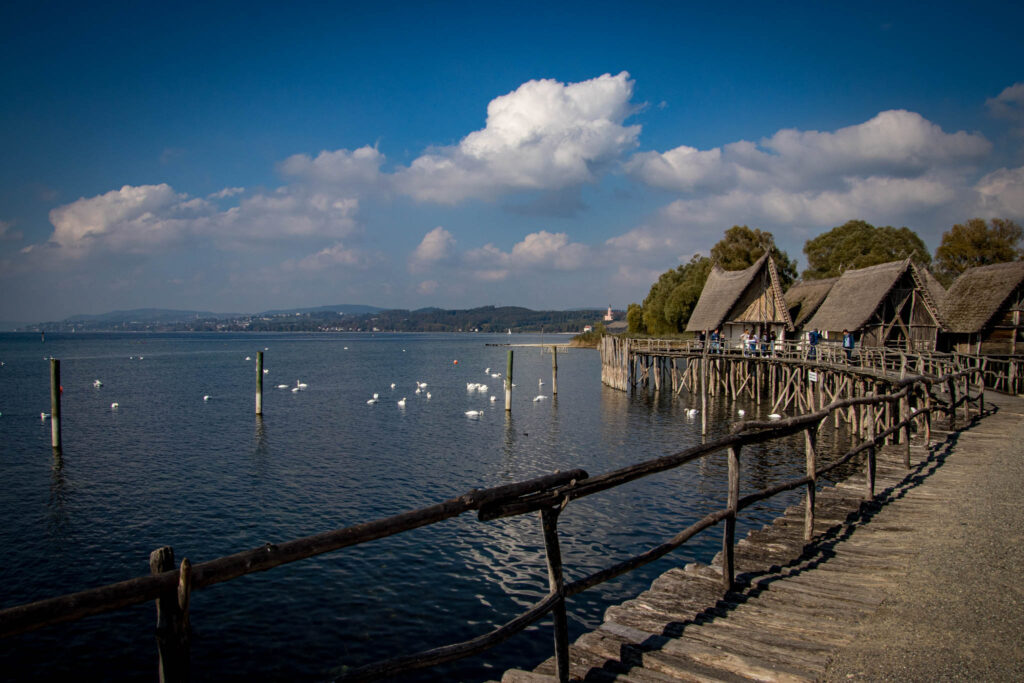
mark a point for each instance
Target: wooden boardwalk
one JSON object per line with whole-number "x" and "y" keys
{"x": 796, "y": 603}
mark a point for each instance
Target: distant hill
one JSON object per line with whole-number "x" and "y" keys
{"x": 155, "y": 315}
{"x": 342, "y": 309}
{"x": 336, "y": 318}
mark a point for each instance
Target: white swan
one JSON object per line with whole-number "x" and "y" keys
{"x": 741, "y": 412}
{"x": 540, "y": 382}
{"x": 296, "y": 390}
{"x": 375, "y": 396}
{"x": 392, "y": 386}
{"x": 418, "y": 390}
{"x": 493, "y": 399}
{"x": 495, "y": 375}
{"x": 774, "y": 416}
{"x": 372, "y": 400}
{"x": 401, "y": 403}
{"x": 248, "y": 357}
{"x": 96, "y": 383}
{"x": 206, "y": 397}
{"x": 115, "y": 405}
{"x": 300, "y": 385}
{"x": 691, "y": 411}
{"x": 482, "y": 388}
{"x": 428, "y": 394}
{"x": 43, "y": 416}
{"x": 487, "y": 371}
{"x": 539, "y": 398}
{"x": 282, "y": 386}
{"x": 474, "y": 413}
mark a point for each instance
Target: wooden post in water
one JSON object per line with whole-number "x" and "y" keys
{"x": 508, "y": 384}
{"x": 172, "y": 623}
{"x": 556, "y": 586}
{"x": 259, "y": 382}
{"x": 729, "y": 532}
{"x": 554, "y": 371}
{"x": 810, "y": 441}
{"x": 55, "y": 403}
{"x": 703, "y": 396}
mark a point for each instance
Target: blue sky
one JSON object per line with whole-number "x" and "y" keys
{"x": 242, "y": 157}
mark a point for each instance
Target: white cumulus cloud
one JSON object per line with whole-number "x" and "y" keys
{"x": 543, "y": 135}
{"x": 436, "y": 246}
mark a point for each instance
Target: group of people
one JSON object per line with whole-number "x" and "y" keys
{"x": 763, "y": 343}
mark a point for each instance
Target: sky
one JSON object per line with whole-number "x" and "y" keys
{"x": 240, "y": 157}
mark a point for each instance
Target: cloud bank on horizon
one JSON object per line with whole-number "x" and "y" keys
{"x": 352, "y": 224}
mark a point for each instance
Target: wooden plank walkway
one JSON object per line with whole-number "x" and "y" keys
{"x": 797, "y": 603}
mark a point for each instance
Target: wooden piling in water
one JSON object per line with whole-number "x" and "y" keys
{"x": 259, "y": 382}
{"x": 554, "y": 370}
{"x": 508, "y": 384}
{"x": 55, "y": 435}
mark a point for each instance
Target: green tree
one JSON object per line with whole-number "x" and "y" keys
{"x": 654, "y": 303}
{"x": 976, "y": 243}
{"x": 635, "y": 319}
{"x": 857, "y": 244}
{"x": 742, "y": 246}
{"x": 671, "y": 300}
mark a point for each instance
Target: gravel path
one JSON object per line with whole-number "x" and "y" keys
{"x": 959, "y": 613}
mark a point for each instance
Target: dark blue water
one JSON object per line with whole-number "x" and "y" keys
{"x": 209, "y": 479}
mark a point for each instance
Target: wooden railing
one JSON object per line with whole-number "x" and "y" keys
{"x": 171, "y": 587}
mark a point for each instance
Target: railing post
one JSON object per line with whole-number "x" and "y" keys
{"x": 981, "y": 392}
{"x": 172, "y": 622}
{"x": 927, "y": 417}
{"x": 905, "y": 420}
{"x": 967, "y": 398}
{"x": 549, "y": 522}
{"x": 869, "y": 474}
{"x": 810, "y": 441}
{"x": 729, "y": 534}
{"x": 951, "y": 384}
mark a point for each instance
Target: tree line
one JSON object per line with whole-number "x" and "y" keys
{"x": 853, "y": 245}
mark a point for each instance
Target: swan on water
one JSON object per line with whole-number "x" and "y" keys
{"x": 392, "y": 385}
{"x": 296, "y": 390}
{"x": 428, "y": 394}
{"x": 372, "y": 400}
{"x": 691, "y": 411}
{"x": 265, "y": 371}
{"x": 375, "y": 396}
{"x": 206, "y": 397}
{"x": 282, "y": 386}
{"x": 300, "y": 385}
{"x": 495, "y": 375}
{"x": 539, "y": 398}
{"x": 741, "y": 412}
{"x": 774, "y": 416}
{"x": 96, "y": 383}
{"x": 474, "y": 413}
{"x": 43, "y": 416}
{"x": 493, "y": 399}
{"x": 115, "y": 405}
{"x": 248, "y": 357}
{"x": 401, "y": 403}
{"x": 487, "y": 371}
{"x": 540, "y": 382}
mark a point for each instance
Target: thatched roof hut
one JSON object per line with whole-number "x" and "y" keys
{"x": 736, "y": 299}
{"x": 982, "y": 310}
{"x": 891, "y": 304}
{"x": 804, "y": 298}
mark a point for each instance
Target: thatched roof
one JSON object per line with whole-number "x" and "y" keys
{"x": 806, "y": 296}
{"x": 934, "y": 293}
{"x": 978, "y": 294}
{"x": 725, "y": 288}
{"x": 856, "y": 295}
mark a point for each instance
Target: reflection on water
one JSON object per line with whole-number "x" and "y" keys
{"x": 210, "y": 479}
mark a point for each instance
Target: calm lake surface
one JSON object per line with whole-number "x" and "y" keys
{"x": 210, "y": 479}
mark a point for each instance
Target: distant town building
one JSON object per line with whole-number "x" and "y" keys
{"x": 608, "y": 317}
{"x": 588, "y": 328}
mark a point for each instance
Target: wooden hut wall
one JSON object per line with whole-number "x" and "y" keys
{"x": 1004, "y": 336}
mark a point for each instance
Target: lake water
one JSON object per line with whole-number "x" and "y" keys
{"x": 210, "y": 479}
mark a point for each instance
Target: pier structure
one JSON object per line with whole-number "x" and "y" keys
{"x": 912, "y": 413}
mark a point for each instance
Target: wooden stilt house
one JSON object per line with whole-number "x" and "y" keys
{"x": 983, "y": 310}
{"x": 805, "y": 297}
{"x": 892, "y": 304}
{"x": 737, "y": 300}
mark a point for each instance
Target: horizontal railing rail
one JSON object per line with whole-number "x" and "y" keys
{"x": 549, "y": 495}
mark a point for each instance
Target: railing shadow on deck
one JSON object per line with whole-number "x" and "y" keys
{"x": 548, "y": 495}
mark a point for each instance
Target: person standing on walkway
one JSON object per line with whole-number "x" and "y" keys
{"x": 848, "y": 344}
{"x": 812, "y": 340}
